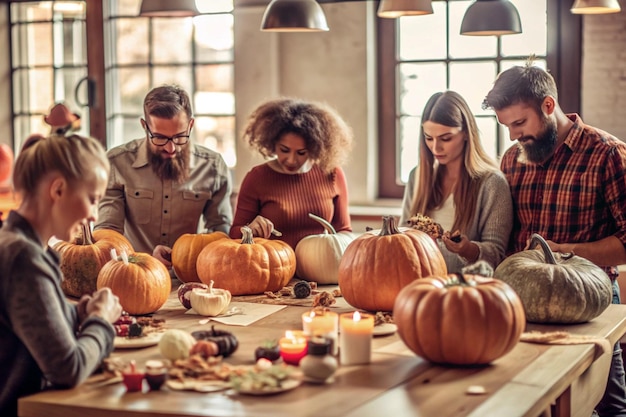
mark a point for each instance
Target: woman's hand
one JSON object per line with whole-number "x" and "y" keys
{"x": 164, "y": 254}
{"x": 462, "y": 246}
{"x": 103, "y": 303}
{"x": 261, "y": 227}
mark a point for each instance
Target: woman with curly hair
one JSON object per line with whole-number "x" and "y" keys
{"x": 306, "y": 142}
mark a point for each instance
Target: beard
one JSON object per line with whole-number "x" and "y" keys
{"x": 541, "y": 146}
{"x": 175, "y": 169}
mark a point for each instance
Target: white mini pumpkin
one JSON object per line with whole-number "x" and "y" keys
{"x": 209, "y": 301}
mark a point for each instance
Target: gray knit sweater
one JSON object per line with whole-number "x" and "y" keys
{"x": 42, "y": 343}
{"x": 491, "y": 226}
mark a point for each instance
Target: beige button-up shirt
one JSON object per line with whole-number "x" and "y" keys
{"x": 151, "y": 211}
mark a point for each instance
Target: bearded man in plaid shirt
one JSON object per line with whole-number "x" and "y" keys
{"x": 568, "y": 183}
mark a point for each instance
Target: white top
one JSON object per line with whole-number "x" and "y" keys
{"x": 445, "y": 215}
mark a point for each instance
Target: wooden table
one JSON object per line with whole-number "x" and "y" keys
{"x": 528, "y": 381}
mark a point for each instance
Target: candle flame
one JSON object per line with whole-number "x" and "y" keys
{"x": 356, "y": 316}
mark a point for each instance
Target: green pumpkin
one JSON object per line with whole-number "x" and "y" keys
{"x": 555, "y": 287}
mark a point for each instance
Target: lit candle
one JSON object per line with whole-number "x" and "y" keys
{"x": 355, "y": 338}
{"x": 322, "y": 322}
{"x": 293, "y": 347}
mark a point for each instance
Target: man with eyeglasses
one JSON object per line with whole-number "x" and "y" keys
{"x": 162, "y": 186}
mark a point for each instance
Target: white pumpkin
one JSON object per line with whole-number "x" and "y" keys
{"x": 175, "y": 344}
{"x": 318, "y": 256}
{"x": 209, "y": 301}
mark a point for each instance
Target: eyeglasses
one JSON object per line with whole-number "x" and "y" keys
{"x": 160, "y": 140}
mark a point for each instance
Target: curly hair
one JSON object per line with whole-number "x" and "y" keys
{"x": 327, "y": 136}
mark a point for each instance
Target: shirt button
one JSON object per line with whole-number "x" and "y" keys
{"x": 165, "y": 211}
{"x": 167, "y": 196}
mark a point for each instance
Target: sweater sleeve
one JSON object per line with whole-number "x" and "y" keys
{"x": 248, "y": 204}
{"x": 495, "y": 218}
{"x": 341, "y": 217}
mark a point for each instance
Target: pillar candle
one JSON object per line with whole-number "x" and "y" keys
{"x": 293, "y": 347}
{"x": 321, "y": 322}
{"x": 355, "y": 338}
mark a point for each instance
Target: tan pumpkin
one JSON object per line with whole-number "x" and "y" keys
{"x": 318, "y": 256}
{"x": 249, "y": 266}
{"x": 376, "y": 266}
{"x": 555, "y": 287}
{"x": 141, "y": 282}
{"x": 186, "y": 250}
{"x": 83, "y": 258}
{"x": 459, "y": 319}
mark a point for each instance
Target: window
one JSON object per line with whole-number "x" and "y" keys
{"x": 195, "y": 53}
{"x": 60, "y": 55}
{"x": 421, "y": 55}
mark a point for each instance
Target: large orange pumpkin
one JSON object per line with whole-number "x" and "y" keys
{"x": 376, "y": 266}
{"x": 82, "y": 259}
{"x": 459, "y": 319}
{"x": 247, "y": 266}
{"x": 186, "y": 250}
{"x": 141, "y": 282}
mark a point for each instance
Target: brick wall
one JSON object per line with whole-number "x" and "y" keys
{"x": 604, "y": 72}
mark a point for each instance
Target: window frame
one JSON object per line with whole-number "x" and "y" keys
{"x": 564, "y": 55}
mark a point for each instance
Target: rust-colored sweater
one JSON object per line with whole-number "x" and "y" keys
{"x": 287, "y": 200}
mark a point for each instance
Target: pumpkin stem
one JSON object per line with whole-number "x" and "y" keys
{"x": 463, "y": 281}
{"x": 86, "y": 237}
{"x": 389, "y": 226}
{"x": 246, "y": 236}
{"x": 124, "y": 257}
{"x": 113, "y": 254}
{"x": 211, "y": 286}
{"x": 328, "y": 228}
{"x": 547, "y": 252}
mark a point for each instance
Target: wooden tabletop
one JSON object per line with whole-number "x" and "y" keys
{"x": 525, "y": 382}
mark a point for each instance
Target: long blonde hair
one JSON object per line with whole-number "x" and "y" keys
{"x": 450, "y": 109}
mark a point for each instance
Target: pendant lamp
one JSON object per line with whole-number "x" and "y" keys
{"x": 595, "y": 7}
{"x": 397, "y": 8}
{"x": 167, "y": 8}
{"x": 491, "y": 17}
{"x": 294, "y": 16}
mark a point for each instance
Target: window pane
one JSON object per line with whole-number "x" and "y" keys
{"x": 215, "y": 86}
{"x": 70, "y": 47}
{"x": 423, "y": 37}
{"x": 33, "y": 11}
{"x": 417, "y": 82}
{"x": 214, "y": 38}
{"x": 473, "y": 80}
{"x": 533, "y": 39}
{"x": 462, "y": 46}
{"x": 214, "y": 6}
{"x": 132, "y": 86}
{"x": 179, "y": 75}
{"x": 65, "y": 82}
{"x": 123, "y": 129}
{"x": 409, "y": 145}
{"x": 32, "y": 91}
{"x": 163, "y": 32}
{"x": 24, "y": 38}
{"x": 488, "y": 128}
{"x": 126, "y": 7}
{"x": 128, "y": 34}
{"x": 217, "y": 133}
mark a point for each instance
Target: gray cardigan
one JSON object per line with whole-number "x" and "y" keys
{"x": 492, "y": 223}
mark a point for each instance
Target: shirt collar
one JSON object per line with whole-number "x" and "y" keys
{"x": 572, "y": 140}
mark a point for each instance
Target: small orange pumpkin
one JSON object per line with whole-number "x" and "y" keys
{"x": 247, "y": 266}
{"x": 459, "y": 319}
{"x": 83, "y": 258}
{"x": 186, "y": 250}
{"x": 375, "y": 267}
{"x": 6, "y": 163}
{"x": 141, "y": 282}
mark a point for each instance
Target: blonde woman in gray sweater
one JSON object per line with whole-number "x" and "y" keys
{"x": 459, "y": 186}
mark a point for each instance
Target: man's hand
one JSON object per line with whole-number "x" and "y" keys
{"x": 164, "y": 254}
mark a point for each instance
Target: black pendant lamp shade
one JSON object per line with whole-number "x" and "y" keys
{"x": 294, "y": 16}
{"x": 165, "y": 8}
{"x": 491, "y": 17}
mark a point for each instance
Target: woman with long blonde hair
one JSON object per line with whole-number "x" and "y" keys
{"x": 458, "y": 185}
